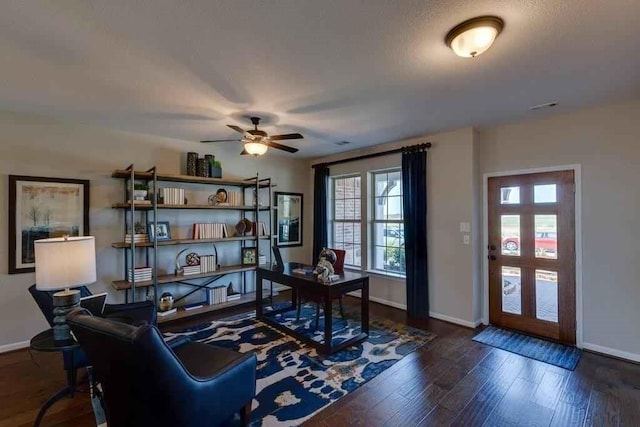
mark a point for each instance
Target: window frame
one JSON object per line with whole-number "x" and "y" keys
{"x": 356, "y": 223}
{"x": 374, "y": 222}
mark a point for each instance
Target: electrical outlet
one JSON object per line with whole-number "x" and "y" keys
{"x": 466, "y": 239}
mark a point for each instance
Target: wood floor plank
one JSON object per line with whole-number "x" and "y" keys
{"x": 462, "y": 393}
{"x": 439, "y": 417}
{"x": 549, "y": 389}
{"x": 603, "y": 410}
{"x": 567, "y": 415}
{"x": 418, "y": 407}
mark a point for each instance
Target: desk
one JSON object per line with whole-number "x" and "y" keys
{"x": 325, "y": 292}
{"x": 44, "y": 342}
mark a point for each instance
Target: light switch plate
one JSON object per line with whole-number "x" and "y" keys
{"x": 465, "y": 227}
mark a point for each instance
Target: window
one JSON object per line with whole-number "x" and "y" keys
{"x": 347, "y": 219}
{"x": 388, "y": 223}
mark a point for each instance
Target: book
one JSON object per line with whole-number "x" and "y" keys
{"x": 193, "y": 306}
{"x": 307, "y": 271}
{"x": 234, "y": 296}
{"x": 168, "y": 312}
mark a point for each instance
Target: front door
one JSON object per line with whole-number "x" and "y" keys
{"x": 532, "y": 254}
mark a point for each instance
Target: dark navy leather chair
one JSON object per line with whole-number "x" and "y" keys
{"x": 147, "y": 383}
{"x": 134, "y": 313}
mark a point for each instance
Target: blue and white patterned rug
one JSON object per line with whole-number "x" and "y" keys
{"x": 293, "y": 380}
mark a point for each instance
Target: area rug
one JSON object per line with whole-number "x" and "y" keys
{"x": 293, "y": 380}
{"x": 560, "y": 355}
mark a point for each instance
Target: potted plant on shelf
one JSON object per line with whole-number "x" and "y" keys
{"x": 215, "y": 169}
{"x": 140, "y": 191}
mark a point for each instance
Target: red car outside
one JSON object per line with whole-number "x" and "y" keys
{"x": 546, "y": 241}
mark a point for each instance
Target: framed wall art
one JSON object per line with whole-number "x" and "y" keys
{"x": 162, "y": 231}
{"x": 41, "y": 208}
{"x": 288, "y": 219}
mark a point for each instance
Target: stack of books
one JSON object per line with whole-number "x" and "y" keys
{"x": 217, "y": 295}
{"x": 173, "y": 196}
{"x": 233, "y": 296}
{"x": 137, "y": 238}
{"x": 234, "y": 198}
{"x": 208, "y": 263}
{"x": 210, "y": 231}
{"x": 191, "y": 269}
{"x": 140, "y": 274}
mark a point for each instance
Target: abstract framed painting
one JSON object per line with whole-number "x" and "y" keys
{"x": 288, "y": 219}
{"x": 41, "y": 208}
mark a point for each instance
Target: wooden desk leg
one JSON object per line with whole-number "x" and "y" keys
{"x": 328, "y": 323}
{"x": 364, "y": 301}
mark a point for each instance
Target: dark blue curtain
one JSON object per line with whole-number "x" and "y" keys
{"x": 414, "y": 189}
{"x": 320, "y": 188}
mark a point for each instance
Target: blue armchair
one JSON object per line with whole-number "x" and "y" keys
{"x": 145, "y": 382}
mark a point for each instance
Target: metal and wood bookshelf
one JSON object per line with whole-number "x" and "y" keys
{"x": 148, "y": 214}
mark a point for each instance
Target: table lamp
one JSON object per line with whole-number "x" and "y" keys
{"x": 63, "y": 263}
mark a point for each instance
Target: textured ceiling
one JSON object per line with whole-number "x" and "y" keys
{"x": 365, "y": 71}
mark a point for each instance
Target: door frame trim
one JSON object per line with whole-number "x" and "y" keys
{"x": 577, "y": 170}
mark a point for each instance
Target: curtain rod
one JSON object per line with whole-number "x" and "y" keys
{"x": 422, "y": 146}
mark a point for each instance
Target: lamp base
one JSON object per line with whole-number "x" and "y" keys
{"x": 63, "y": 303}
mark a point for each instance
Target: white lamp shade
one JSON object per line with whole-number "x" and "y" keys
{"x": 65, "y": 262}
{"x": 255, "y": 148}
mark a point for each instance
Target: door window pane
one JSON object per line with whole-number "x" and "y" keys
{"x": 546, "y": 236}
{"x": 547, "y": 295}
{"x": 509, "y": 195}
{"x": 510, "y": 232}
{"x": 544, "y": 193}
{"x": 511, "y": 290}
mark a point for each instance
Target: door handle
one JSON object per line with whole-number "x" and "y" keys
{"x": 492, "y": 257}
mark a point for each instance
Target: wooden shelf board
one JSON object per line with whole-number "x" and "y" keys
{"x": 146, "y": 207}
{"x": 124, "y": 245}
{"x": 251, "y": 182}
{"x": 182, "y": 313}
{"x": 122, "y": 285}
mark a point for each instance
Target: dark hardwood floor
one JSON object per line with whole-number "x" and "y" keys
{"x": 450, "y": 381}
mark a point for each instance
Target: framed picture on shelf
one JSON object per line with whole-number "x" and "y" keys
{"x": 249, "y": 256}
{"x": 288, "y": 219}
{"x": 161, "y": 231}
{"x": 41, "y": 208}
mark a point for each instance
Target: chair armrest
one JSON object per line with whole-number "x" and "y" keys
{"x": 177, "y": 342}
{"x": 134, "y": 313}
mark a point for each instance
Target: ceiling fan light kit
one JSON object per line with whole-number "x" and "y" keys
{"x": 474, "y": 36}
{"x": 257, "y": 142}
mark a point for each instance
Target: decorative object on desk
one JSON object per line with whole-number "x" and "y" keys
{"x": 215, "y": 169}
{"x": 179, "y": 269}
{"x": 249, "y": 256}
{"x": 64, "y": 263}
{"x": 324, "y": 269}
{"x": 282, "y": 397}
{"x": 202, "y": 168}
{"x": 288, "y": 219}
{"x": 193, "y": 259}
{"x": 192, "y": 161}
{"x": 165, "y": 302}
{"x": 161, "y": 231}
{"x": 41, "y": 208}
{"x": 140, "y": 191}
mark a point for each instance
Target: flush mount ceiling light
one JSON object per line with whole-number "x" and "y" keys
{"x": 471, "y": 38}
{"x": 255, "y": 148}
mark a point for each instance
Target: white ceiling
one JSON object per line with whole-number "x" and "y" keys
{"x": 365, "y": 71}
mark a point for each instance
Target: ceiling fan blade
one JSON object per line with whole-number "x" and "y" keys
{"x": 223, "y": 140}
{"x": 281, "y": 147}
{"x": 286, "y": 136}
{"x": 236, "y": 128}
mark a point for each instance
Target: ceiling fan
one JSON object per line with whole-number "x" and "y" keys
{"x": 256, "y": 141}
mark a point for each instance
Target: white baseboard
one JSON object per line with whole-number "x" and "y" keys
{"x": 611, "y": 352}
{"x": 15, "y": 346}
{"x": 455, "y": 320}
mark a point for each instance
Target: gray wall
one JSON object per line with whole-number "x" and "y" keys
{"x": 38, "y": 147}
{"x": 605, "y": 142}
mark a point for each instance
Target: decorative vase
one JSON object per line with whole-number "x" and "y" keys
{"x": 139, "y": 194}
{"x": 216, "y": 172}
{"x": 165, "y": 302}
{"x": 202, "y": 168}
{"x": 192, "y": 160}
